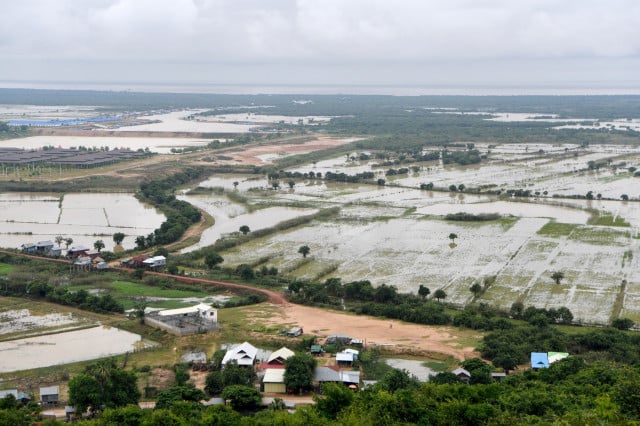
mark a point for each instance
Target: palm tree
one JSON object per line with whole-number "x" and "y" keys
{"x": 68, "y": 242}
{"x": 59, "y": 240}
{"x": 304, "y": 251}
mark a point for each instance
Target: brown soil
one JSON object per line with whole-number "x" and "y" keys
{"x": 388, "y": 334}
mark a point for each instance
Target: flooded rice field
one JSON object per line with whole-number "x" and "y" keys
{"x": 66, "y": 347}
{"x": 32, "y": 217}
{"x": 397, "y": 235}
{"x": 229, "y": 217}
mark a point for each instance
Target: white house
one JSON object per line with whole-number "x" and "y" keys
{"x": 280, "y": 356}
{"x": 244, "y": 354}
{"x": 155, "y": 262}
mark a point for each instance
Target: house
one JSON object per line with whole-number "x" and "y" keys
{"x": 462, "y": 374}
{"x": 93, "y": 254}
{"x": 76, "y": 251}
{"x": 342, "y": 339}
{"x": 244, "y": 354}
{"x": 273, "y": 380}
{"x": 200, "y": 318}
{"x": 50, "y": 395}
{"x": 347, "y": 357}
{"x": 350, "y": 379}
{"x": 294, "y": 332}
{"x": 155, "y": 262}
{"x": 498, "y": 377}
{"x": 54, "y": 252}
{"x": 43, "y": 247}
{"x": 29, "y": 248}
{"x": 137, "y": 261}
{"x": 323, "y": 375}
{"x": 539, "y": 360}
{"x": 280, "y": 356}
{"x": 7, "y": 392}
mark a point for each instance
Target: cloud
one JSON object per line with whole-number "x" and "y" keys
{"x": 134, "y": 34}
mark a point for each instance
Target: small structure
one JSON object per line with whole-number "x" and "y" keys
{"x": 7, "y": 392}
{"x": 274, "y": 380}
{"x": 350, "y": 379}
{"x": 342, "y": 339}
{"x": 43, "y": 247}
{"x": 462, "y": 374}
{"x": 498, "y": 377}
{"x": 194, "y": 357}
{"x": 539, "y": 360}
{"x": 82, "y": 263}
{"x": 243, "y": 354}
{"x": 556, "y": 356}
{"x": 28, "y": 248}
{"x": 76, "y": 251}
{"x": 359, "y": 343}
{"x": 346, "y": 357}
{"x": 316, "y": 350}
{"x": 155, "y": 262}
{"x": 137, "y": 261}
{"x": 294, "y": 332}
{"x": 280, "y": 356}
{"x": 50, "y": 395}
{"x": 200, "y": 318}
{"x": 323, "y": 375}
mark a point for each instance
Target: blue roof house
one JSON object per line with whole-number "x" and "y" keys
{"x": 539, "y": 360}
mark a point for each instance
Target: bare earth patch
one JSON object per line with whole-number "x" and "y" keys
{"x": 390, "y": 334}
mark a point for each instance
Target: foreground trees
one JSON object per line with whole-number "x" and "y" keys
{"x": 103, "y": 385}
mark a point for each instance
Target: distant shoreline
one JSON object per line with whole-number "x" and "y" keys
{"x": 389, "y": 90}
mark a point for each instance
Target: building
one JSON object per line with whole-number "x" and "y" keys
{"x": 341, "y": 339}
{"x": 28, "y": 248}
{"x": 7, "y": 392}
{"x": 50, "y": 395}
{"x": 462, "y": 374}
{"x": 556, "y": 356}
{"x": 316, "y": 350}
{"x": 76, "y": 251}
{"x": 273, "y": 380}
{"x": 200, "y": 318}
{"x": 243, "y": 354}
{"x": 155, "y": 262}
{"x": 347, "y": 357}
{"x": 280, "y": 356}
{"x": 539, "y": 360}
{"x": 294, "y": 332}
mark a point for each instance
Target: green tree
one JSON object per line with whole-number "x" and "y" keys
{"x": 452, "y": 237}
{"x": 622, "y": 323}
{"x": 68, "y": 242}
{"x": 304, "y": 250}
{"x": 335, "y": 397}
{"x": 187, "y": 392}
{"x": 291, "y": 184}
{"x": 242, "y": 397}
{"x": 118, "y": 238}
{"x": 475, "y": 289}
{"x": 103, "y": 384}
{"x": 624, "y": 197}
{"x": 98, "y": 245}
{"x": 557, "y": 276}
{"x": 245, "y": 229}
{"x": 440, "y": 294}
{"x": 141, "y": 242}
{"x": 59, "y": 239}
{"x": 480, "y": 370}
{"x": 517, "y": 309}
{"x": 298, "y": 372}
{"x": 212, "y": 259}
{"x": 139, "y": 308}
{"x": 423, "y": 291}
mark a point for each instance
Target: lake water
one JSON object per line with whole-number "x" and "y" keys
{"x": 66, "y": 348}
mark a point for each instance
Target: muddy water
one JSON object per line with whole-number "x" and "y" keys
{"x": 29, "y": 218}
{"x": 65, "y": 348}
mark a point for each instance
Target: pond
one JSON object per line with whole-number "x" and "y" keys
{"x": 66, "y": 348}
{"x": 413, "y": 367}
{"x": 33, "y": 217}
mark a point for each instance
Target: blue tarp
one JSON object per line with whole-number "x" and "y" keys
{"x": 57, "y": 123}
{"x": 539, "y": 360}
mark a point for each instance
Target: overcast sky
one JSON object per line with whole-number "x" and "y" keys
{"x": 462, "y": 43}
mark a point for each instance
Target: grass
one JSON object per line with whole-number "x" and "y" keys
{"x": 6, "y": 269}
{"x": 608, "y": 220}
{"x": 130, "y": 289}
{"x": 557, "y": 229}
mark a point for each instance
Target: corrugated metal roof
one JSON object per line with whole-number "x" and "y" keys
{"x": 274, "y": 375}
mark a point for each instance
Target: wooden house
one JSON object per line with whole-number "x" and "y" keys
{"x": 28, "y": 248}
{"x": 462, "y": 374}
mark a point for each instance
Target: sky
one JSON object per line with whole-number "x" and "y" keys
{"x": 588, "y": 44}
